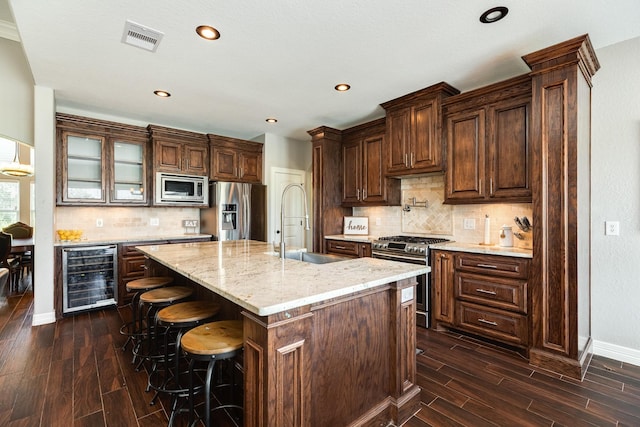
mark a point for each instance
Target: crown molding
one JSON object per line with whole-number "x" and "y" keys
{"x": 8, "y": 30}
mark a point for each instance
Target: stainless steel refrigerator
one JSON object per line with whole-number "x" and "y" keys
{"x": 236, "y": 211}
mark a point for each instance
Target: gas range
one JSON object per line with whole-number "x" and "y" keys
{"x": 405, "y": 248}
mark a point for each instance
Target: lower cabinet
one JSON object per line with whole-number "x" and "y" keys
{"x": 132, "y": 264}
{"x": 348, "y": 248}
{"x": 486, "y": 295}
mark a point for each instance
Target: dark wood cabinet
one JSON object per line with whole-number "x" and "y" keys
{"x": 487, "y": 295}
{"x": 328, "y": 211}
{"x": 561, "y": 285}
{"x": 363, "y": 156}
{"x": 487, "y": 139}
{"x": 413, "y": 131}
{"x": 442, "y": 286}
{"x": 179, "y": 151}
{"x": 235, "y": 159}
{"x": 101, "y": 163}
{"x": 348, "y": 247}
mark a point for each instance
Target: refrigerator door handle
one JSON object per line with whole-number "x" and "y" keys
{"x": 247, "y": 216}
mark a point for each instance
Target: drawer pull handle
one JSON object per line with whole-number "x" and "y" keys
{"x": 484, "y": 291}
{"x": 487, "y": 266}
{"x": 340, "y": 247}
{"x": 488, "y": 322}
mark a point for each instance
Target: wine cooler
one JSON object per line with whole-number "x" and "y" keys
{"x": 89, "y": 276}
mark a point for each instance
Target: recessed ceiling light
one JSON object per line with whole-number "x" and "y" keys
{"x": 208, "y": 32}
{"x": 271, "y": 120}
{"x": 342, "y": 87}
{"x": 494, "y": 14}
{"x": 162, "y": 93}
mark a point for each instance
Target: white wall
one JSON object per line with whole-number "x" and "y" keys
{"x": 615, "y": 190}
{"x": 16, "y": 93}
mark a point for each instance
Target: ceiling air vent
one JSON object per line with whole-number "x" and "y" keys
{"x": 140, "y": 36}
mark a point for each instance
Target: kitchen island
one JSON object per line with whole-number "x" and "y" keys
{"x": 325, "y": 344}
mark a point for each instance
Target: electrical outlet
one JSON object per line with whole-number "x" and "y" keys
{"x": 469, "y": 224}
{"x": 154, "y": 222}
{"x": 99, "y": 222}
{"x": 611, "y": 228}
{"x": 378, "y": 221}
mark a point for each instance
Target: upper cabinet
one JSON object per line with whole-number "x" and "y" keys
{"x": 235, "y": 159}
{"x": 179, "y": 151}
{"x": 363, "y": 162}
{"x": 100, "y": 162}
{"x": 487, "y": 140}
{"x": 413, "y": 131}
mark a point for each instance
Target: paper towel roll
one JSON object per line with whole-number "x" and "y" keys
{"x": 487, "y": 230}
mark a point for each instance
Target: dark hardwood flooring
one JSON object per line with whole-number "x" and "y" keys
{"x": 73, "y": 374}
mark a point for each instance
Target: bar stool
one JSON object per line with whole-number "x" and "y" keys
{"x": 153, "y": 301}
{"x": 177, "y": 319}
{"x": 134, "y": 329}
{"x": 211, "y": 342}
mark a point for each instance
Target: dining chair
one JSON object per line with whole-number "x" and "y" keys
{"x": 20, "y": 230}
{"x": 4, "y": 276}
{"x": 9, "y": 262}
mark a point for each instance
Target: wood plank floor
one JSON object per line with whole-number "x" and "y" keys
{"x": 73, "y": 374}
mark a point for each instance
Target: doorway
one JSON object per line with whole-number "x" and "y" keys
{"x": 294, "y": 226}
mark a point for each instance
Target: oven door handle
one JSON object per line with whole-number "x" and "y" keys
{"x": 391, "y": 257}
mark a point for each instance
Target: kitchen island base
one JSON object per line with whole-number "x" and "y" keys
{"x": 345, "y": 362}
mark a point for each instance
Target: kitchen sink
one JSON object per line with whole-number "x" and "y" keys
{"x": 314, "y": 257}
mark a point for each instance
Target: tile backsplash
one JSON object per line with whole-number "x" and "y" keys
{"x": 440, "y": 219}
{"x": 124, "y": 222}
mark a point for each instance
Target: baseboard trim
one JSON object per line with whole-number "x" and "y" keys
{"x": 617, "y": 352}
{"x": 43, "y": 318}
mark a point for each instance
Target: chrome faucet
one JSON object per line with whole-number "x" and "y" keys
{"x": 282, "y": 216}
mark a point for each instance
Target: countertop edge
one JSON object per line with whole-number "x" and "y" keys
{"x": 484, "y": 250}
{"x": 353, "y": 237}
{"x": 116, "y": 241}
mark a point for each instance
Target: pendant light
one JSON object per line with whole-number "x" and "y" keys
{"x": 15, "y": 168}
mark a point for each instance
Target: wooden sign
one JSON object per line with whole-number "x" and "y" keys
{"x": 356, "y": 225}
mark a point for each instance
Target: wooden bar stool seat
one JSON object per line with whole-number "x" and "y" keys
{"x": 211, "y": 342}
{"x": 178, "y": 319}
{"x": 153, "y": 301}
{"x": 134, "y": 329}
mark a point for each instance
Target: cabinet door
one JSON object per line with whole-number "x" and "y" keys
{"x": 168, "y": 156}
{"x": 224, "y": 164}
{"x": 251, "y": 167}
{"x": 465, "y": 156}
{"x": 509, "y": 150}
{"x": 398, "y": 129}
{"x": 443, "y": 282}
{"x": 196, "y": 160}
{"x": 351, "y": 172}
{"x": 373, "y": 179}
{"x": 128, "y": 173}
{"x": 426, "y": 146}
{"x": 83, "y": 172}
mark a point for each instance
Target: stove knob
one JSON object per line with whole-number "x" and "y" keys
{"x": 422, "y": 251}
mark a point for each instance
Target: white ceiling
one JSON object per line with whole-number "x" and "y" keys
{"x": 282, "y": 58}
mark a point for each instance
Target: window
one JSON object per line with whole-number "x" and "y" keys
{"x": 7, "y": 150}
{"x": 9, "y": 202}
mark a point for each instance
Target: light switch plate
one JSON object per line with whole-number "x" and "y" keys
{"x": 154, "y": 222}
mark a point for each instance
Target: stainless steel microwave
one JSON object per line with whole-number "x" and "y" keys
{"x": 175, "y": 189}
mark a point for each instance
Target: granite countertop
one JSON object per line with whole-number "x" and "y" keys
{"x": 250, "y": 275}
{"x": 353, "y": 238}
{"x": 485, "y": 250}
{"x": 116, "y": 240}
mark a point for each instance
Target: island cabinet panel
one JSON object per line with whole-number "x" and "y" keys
{"x": 488, "y": 143}
{"x": 345, "y": 361}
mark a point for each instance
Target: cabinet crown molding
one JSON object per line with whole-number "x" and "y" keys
{"x": 577, "y": 50}
{"x": 438, "y": 89}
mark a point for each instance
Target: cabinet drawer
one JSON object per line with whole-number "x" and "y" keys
{"x": 343, "y": 247}
{"x": 129, "y": 249}
{"x": 508, "y": 294}
{"x": 498, "y": 324}
{"x": 133, "y": 267}
{"x": 493, "y": 265}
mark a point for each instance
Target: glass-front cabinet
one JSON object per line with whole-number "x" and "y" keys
{"x": 101, "y": 163}
{"x": 129, "y": 172}
{"x": 85, "y": 172}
